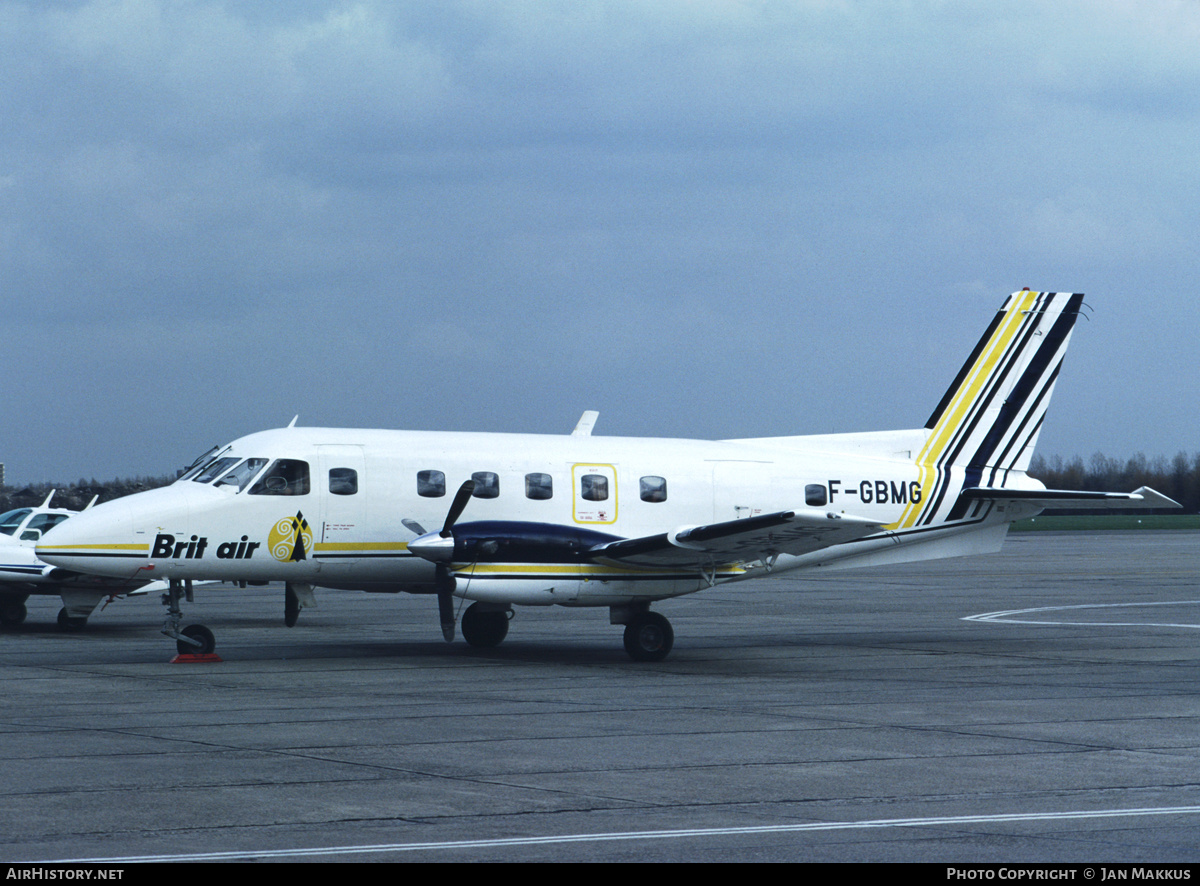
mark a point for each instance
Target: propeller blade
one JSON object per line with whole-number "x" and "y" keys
{"x": 445, "y": 588}
{"x": 456, "y": 507}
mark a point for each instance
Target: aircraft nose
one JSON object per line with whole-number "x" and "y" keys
{"x": 91, "y": 540}
{"x": 114, "y": 538}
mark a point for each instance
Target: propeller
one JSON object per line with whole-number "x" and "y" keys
{"x": 439, "y": 549}
{"x": 456, "y": 507}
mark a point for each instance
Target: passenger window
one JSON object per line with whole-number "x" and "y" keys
{"x": 287, "y": 476}
{"x": 487, "y": 484}
{"x": 654, "y": 489}
{"x": 431, "y": 484}
{"x": 343, "y": 481}
{"x": 243, "y": 473}
{"x": 593, "y": 487}
{"x": 539, "y": 486}
{"x": 814, "y": 495}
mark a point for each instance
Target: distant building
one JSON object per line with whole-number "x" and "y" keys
{"x": 1, "y": 473}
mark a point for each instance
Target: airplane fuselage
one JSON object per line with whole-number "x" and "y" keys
{"x": 367, "y": 493}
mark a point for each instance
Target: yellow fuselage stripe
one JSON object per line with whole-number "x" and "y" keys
{"x": 100, "y": 547}
{"x": 361, "y": 546}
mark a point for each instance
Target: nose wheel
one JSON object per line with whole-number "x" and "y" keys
{"x": 193, "y": 639}
{"x": 196, "y": 634}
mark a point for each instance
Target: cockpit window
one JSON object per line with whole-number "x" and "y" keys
{"x": 242, "y": 474}
{"x": 40, "y": 525}
{"x": 214, "y": 470}
{"x": 286, "y": 476}
{"x": 10, "y": 520}
{"x": 200, "y": 463}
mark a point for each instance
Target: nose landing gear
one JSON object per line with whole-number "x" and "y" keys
{"x": 193, "y": 639}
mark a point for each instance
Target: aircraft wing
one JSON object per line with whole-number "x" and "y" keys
{"x": 737, "y": 541}
{"x": 1143, "y": 498}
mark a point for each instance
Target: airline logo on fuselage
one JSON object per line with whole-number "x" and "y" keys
{"x": 167, "y": 548}
{"x": 290, "y": 540}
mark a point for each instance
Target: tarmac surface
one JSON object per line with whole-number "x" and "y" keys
{"x": 853, "y": 716}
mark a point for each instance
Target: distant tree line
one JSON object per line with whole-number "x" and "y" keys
{"x": 1178, "y": 477}
{"x": 75, "y": 496}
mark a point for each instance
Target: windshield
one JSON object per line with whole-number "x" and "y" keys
{"x": 215, "y": 469}
{"x": 200, "y": 463}
{"x": 10, "y": 520}
{"x": 45, "y": 522}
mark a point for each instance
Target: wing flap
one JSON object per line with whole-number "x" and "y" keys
{"x": 737, "y": 541}
{"x": 1049, "y": 499}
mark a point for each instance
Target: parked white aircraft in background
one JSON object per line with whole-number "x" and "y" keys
{"x": 577, "y": 520}
{"x": 22, "y": 574}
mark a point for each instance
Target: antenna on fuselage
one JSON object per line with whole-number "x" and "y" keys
{"x": 292, "y": 423}
{"x": 587, "y": 421}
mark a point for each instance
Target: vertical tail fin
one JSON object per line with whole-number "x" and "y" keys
{"x": 988, "y": 421}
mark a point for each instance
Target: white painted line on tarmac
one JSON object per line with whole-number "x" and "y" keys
{"x": 683, "y": 833}
{"x": 1010, "y": 616}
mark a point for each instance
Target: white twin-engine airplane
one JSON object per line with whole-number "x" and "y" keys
{"x": 577, "y": 520}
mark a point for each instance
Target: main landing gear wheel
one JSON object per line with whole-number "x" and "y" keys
{"x": 648, "y": 637}
{"x": 12, "y": 614}
{"x": 485, "y": 627}
{"x": 68, "y": 623}
{"x": 200, "y": 634}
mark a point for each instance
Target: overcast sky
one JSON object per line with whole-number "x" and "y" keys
{"x": 703, "y": 219}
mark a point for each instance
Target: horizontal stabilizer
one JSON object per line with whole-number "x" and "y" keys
{"x": 738, "y": 541}
{"x": 1048, "y": 499}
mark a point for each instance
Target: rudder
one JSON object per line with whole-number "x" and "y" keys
{"x": 987, "y": 423}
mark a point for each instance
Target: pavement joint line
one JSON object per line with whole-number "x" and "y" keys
{"x": 681, "y": 833}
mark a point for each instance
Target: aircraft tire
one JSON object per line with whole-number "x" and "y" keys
{"x": 484, "y": 628}
{"x": 649, "y": 637}
{"x": 70, "y": 624}
{"x": 13, "y": 614}
{"x": 197, "y": 632}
